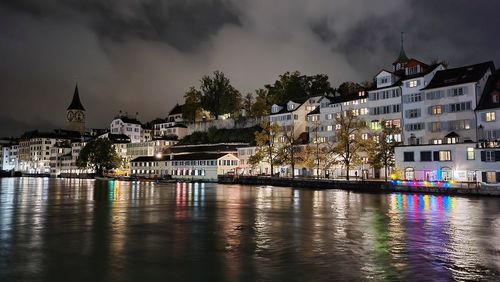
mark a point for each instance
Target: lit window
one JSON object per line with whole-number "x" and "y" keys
{"x": 470, "y": 153}
{"x": 445, "y": 155}
{"x": 491, "y": 177}
{"x": 490, "y": 116}
{"x": 413, "y": 83}
{"x": 364, "y": 136}
{"x": 436, "y": 110}
{"x": 375, "y": 125}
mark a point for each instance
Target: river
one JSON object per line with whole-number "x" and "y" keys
{"x": 83, "y": 230}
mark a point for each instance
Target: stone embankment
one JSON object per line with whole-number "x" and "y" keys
{"x": 360, "y": 186}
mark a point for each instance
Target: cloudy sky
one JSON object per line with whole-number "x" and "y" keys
{"x": 142, "y": 55}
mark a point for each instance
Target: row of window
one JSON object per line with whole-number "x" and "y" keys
{"x": 384, "y": 94}
{"x": 284, "y": 117}
{"x": 429, "y": 156}
{"x": 490, "y": 156}
{"x": 382, "y": 110}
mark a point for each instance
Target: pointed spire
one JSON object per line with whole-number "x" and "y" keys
{"x": 402, "y": 54}
{"x": 75, "y": 103}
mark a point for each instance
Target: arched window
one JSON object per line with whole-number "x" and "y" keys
{"x": 409, "y": 173}
{"x": 446, "y": 173}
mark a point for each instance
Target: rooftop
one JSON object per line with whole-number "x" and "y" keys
{"x": 457, "y": 76}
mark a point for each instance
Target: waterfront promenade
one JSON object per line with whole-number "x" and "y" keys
{"x": 466, "y": 189}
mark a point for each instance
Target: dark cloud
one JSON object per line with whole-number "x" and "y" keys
{"x": 141, "y": 55}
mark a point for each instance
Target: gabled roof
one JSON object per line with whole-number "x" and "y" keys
{"x": 56, "y": 134}
{"x": 75, "y": 103}
{"x": 457, "y": 76}
{"x": 199, "y": 156}
{"x": 284, "y": 107}
{"x": 350, "y": 97}
{"x": 451, "y": 134}
{"x": 492, "y": 87}
{"x": 151, "y": 159}
{"x": 176, "y": 110}
{"x": 129, "y": 120}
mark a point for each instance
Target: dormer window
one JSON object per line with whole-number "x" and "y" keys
{"x": 275, "y": 109}
{"x": 291, "y": 107}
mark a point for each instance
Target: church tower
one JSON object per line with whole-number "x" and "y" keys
{"x": 75, "y": 114}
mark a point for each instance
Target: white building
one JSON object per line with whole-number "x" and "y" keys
{"x": 445, "y": 111}
{"x": 466, "y": 153}
{"x": 170, "y": 129}
{"x": 187, "y": 167}
{"x": 202, "y": 166}
{"x": 127, "y": 126}
{"x": 292, "y": 115}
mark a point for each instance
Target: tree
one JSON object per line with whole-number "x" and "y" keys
{"x": 289, "y": 150}
{"x": 345, "y": 150}
{"x": 219, "y": 96}
{"x": 248, "y": 103}
{"x": 192, "y": 105}
{"x": 294, "y": 85}
{"x": 348, "y": 87}
{"x": 267, "y": 148}
{"x": 314, "y": 153}
{"x": 99, "y": 155}
{"x": 381, "y": 153}
{"x": 262, "y": 103}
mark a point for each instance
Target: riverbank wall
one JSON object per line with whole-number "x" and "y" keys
{"x": 359, "y": 186}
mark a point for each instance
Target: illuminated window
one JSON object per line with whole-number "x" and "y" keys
{"x": 491, "y": 177}
{"x": 375, "y": 125}
{"x": 364, "y": 136}
{"x": 436, "y": 110}
{"x": 470, "y": 153}
{"x": 409, "y": 173}
{"x": 445, "y": 155}
{"x": 413, "y": 83}
{"x": 490, "y": 116}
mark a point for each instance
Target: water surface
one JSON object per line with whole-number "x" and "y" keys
{"x": 82, "y": 230}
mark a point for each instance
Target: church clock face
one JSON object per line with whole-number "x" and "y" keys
{"x": 80, "y": 116}
{"x": 70, "y": 116}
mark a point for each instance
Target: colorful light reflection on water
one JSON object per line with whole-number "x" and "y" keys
{"x": 55, "y": 230}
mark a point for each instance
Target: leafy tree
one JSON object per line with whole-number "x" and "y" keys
{"x": 266, "y": 143}
{"x": 294, "y": 85}
{"x": 219, "y": 96}
{"x": 381, "y": 153}
{"x": 262, "y": 103}
{"x": 289, "y": 150}
{"x": 192, "y": 105}
{"x": 314, "y": 153}
{"x": 248, "y": 103}
{"x": 348, "y": 87}
{"x": 99, "y": 155}
{"x": 349, "y": 143}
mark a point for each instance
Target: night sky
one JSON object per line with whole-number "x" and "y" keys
{"x": 142, "y": 55}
